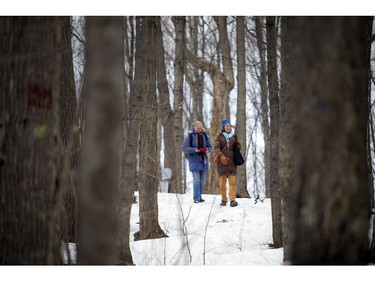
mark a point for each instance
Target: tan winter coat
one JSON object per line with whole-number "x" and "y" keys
{"x": 219, "y": 144}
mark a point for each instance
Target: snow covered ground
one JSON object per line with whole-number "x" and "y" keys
{"x": 211, "y": 235}
{"x": 206, "y": 233}
{"x": 215, "y": 243}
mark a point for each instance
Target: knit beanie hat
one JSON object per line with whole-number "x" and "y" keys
{"x": 224, "y": 122}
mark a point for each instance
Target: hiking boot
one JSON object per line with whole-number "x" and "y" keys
{"x": 201, "y": 200}
{"x": 223, "y": 203}
{"x": 233, "y": 203}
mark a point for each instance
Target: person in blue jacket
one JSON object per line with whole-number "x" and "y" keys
{"x": 196, "y": 146}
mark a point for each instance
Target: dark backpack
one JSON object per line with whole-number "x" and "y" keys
{"x": 190, "y": 134}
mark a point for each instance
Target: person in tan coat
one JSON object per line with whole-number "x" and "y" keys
{"x": 226, "y": 169}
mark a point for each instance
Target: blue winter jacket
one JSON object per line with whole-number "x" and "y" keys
{"x": 196, "y": 161}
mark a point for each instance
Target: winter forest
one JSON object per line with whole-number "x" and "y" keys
{"x": 93, "y": 109}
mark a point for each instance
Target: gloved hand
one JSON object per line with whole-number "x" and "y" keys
{"x": 223, "y": 159}
{"x": 238, "y": 144}
{"x": 203, "y": 150}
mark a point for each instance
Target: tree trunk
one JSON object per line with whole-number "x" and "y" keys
{"x": 69, "y": 140}
{"x": 273, "y": 86}
{"x": 102, "y": 141}
{"x": 179, "y": 67}
{"x": 125, "y": 192}
{"x": 149, "y": 160}
{"x": 130, "y": 48}
{"x": 132, "y": 146}
{"x": 332, "y": 188}
{"x": 131, "y": 163}
{"x": 241, "y": 190}
{"x": 264, "y": 102}
{"x": 372, "y": 246}
{"x": 370, "y": 140}
{"x": 369, "y": 151}
{"x": 287, "y": 128}
{"x": 166, "y": 112}
{"x": 29, "y": 104}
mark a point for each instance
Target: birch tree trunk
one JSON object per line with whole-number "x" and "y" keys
{"x": 102, "y": 141}
{"x": 241, "y": 190}
{"x": 29, "y": 140}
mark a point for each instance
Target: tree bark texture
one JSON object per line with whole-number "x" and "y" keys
{"x": 69, "y": 140}
{"x": 273, "y": 87}
{"x": 135, "y": 117}
{"x": 134, "y": 113}
{"x": 29, "y": 102}
{"x": 286, "y": 135}
{"x": 149, "y": 160}
{"x": 125, "y": 192}
{"x": 331, "y": 192}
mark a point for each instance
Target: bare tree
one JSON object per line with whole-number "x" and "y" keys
{"x": 195, "y": 78}
{"x": 130, "y": 164}
{"x": 29, "y": 89}
{"x": 100, "y": 157}
{"x": 165, "y": 110}
{"x": 149, "y": 161}
{"x": 255, "y": 172}
{"x": 330, "y": 62}
{"x": 273, "y": 87}
{"x": 264, "y": 100}
{"x": 241, "y": 190}
{"x": 179, "y": 68}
